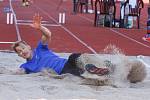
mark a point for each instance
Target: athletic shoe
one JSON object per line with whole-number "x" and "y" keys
{"x": 146, "y": 37}
{"x": 95, "y": 70}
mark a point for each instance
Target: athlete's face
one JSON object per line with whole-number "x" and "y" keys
{"x": 24, "y": 51}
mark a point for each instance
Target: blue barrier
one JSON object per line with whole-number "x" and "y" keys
{"x": 7, "y": 10}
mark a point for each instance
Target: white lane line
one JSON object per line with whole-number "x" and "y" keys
{"x": 15, "y": 20}
{"x": 54, "y": 25}
{"x": 7, "y": 42}
{"x": 125, "y": 36}
{"x": 30, "y": 21}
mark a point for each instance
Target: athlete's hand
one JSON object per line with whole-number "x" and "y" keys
{"x": 36, "y": 21}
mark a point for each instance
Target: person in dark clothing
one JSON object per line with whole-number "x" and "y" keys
{"x": 75, "y": 6}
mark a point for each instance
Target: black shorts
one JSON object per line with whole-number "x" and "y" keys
{"x": 71, "y": 66}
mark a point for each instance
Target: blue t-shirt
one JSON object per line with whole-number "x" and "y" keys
{"x": 44, "y": 58}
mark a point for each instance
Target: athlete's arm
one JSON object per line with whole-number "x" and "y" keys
{"x": 46, "y": 34}
{"x": 19, "y": 71}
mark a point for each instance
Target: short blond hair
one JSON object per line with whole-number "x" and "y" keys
{"x": 17, "y": 43}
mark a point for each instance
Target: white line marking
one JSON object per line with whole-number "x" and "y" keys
{"x": 11, "y": 18}
{"x": 7, "y": 42}
{"x": 30, "y": 21}
{"x": 63, "y": 18}
{"x": 54, "y": 25}
{"x": 121, "y": 34}
{"x": 15, "y": 20}
{"x": 60, "y": 17}
{"x": 8, "y": 18}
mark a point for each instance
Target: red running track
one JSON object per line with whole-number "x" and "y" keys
{"x": 78, "y": 33}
